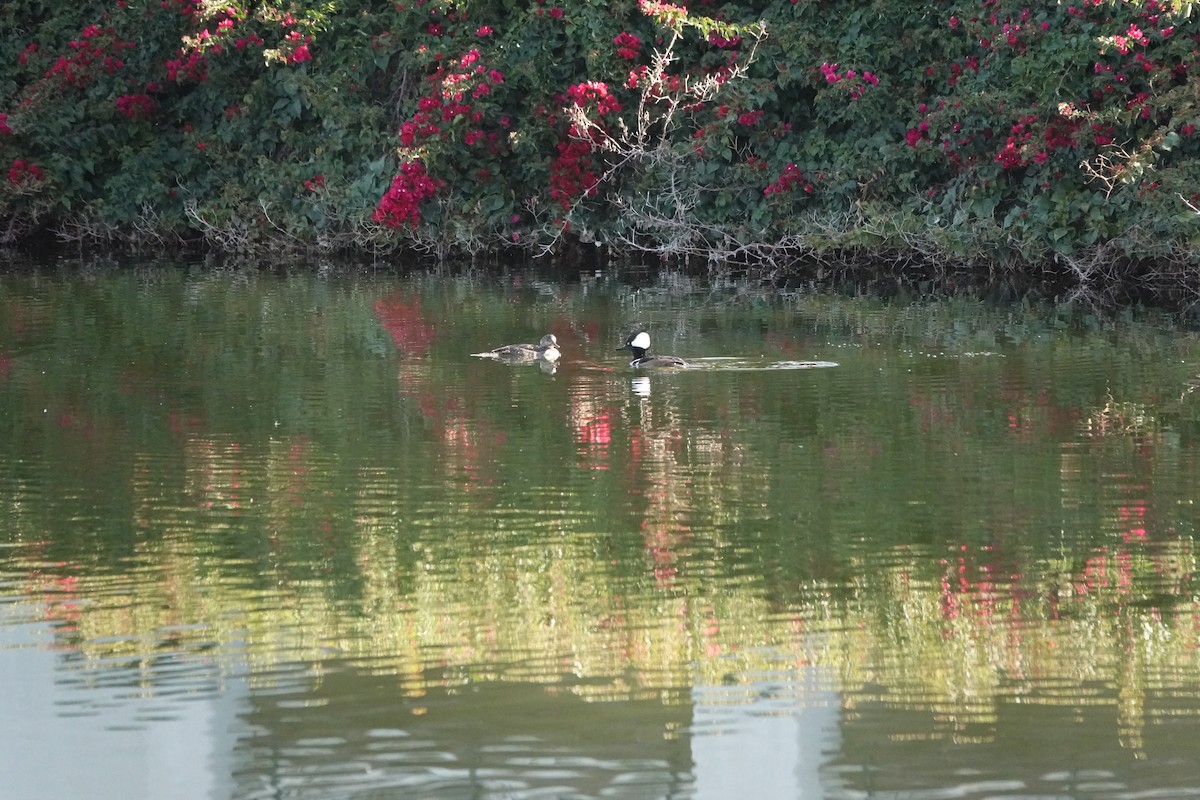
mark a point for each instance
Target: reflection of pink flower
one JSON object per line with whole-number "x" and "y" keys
{"x": 404, "y": 322}
{"x": 596, "y": 430}
{"x": 593, "y": 428}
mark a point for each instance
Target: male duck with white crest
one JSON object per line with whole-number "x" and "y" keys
{"x": 639, "y": 344}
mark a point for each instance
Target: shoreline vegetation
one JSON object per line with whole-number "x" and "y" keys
{"x": 1043, "y": 144}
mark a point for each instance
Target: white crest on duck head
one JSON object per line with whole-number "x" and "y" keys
{"x": 640, "y": 339}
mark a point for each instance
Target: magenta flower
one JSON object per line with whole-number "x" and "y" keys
{"x": 628, "y": 45}
{"x": 135, "y": 106}
{"x": 401, "y": 204}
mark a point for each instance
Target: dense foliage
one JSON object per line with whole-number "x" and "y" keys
{"x": 990, "y": 132}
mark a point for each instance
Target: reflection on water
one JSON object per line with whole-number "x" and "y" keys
{"x": 283, "y": 537}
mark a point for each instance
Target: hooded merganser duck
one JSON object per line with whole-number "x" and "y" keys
{"x": 638, "y": 344}
{"x": 545, "y": 350}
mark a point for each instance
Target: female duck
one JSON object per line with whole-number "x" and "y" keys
{"x": 545, "y": 350}
{"x": 638, "y": 344}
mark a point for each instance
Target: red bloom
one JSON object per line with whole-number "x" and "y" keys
{"x": 583, "y": 93}
{"x": 572, "y": 174}
{"x": 25, "y": 174}
{"x": 401, "y": 205}
{"x": 193, "y": 67}
{"x": 1010, "y": 156}
{"x": 628, "y": 45}
{"x": 791, "y": 178}
{"x": 135, "y": 106}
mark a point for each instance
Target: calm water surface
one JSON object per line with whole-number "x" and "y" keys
{"x": 281, "y": 536}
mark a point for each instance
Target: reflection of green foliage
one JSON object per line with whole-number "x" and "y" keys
{"x": 258, "y": 457}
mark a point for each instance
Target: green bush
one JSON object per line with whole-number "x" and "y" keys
{"x": 987, "y": 132}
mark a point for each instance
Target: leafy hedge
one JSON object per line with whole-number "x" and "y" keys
{"x": 992, "y": 132}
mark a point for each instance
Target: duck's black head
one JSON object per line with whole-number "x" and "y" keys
{"x": 637, "y": 344}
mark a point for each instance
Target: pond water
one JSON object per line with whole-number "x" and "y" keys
{"x": 278, "y": 535}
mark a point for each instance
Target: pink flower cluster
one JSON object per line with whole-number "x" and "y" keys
{"x": 188, "y": 8}
{"x": 30, "y": 50}
{"x": 789, "y": 179}
{"x": 582, "y": 94}
{"x": 571, "y": 173}
{"x": 1010, "y": 157}
{"x": 1131, "y": 37}
{"x": 299, "y": 43}
{"x": 855, "y": 84}
{"x": 750, "y": 118}
{"x": 96, "y": 48}
{"x": 956, "y": 69}
{"x": 246, "y": 41}
{"x": 4, "y": 129}
{"x": 135, "y": 106}
{"x": 914, "y": 135}
{"x": 401, "y": 205}
{"x": 628, "y": 45}
{"x": 189, "y": 66}
{"x": 717, "y": 40}
{"x": 25, "y": 174}
{"x": 664, "y": 14}
{"x": 448, "y": 103}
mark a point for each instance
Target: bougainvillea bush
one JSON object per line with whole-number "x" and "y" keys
{"x": 990, "y": 133}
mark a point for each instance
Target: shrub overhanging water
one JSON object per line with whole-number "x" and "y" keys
{"x": 991, "y": 133}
